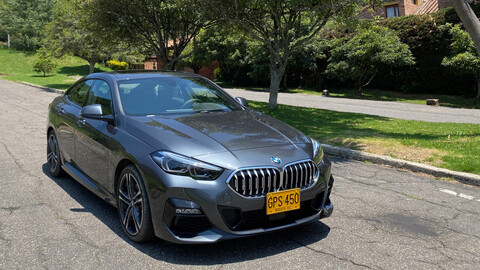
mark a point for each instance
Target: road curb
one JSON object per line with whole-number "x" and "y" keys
{"x": 48, "y": 89}
{"x": 466, "y": 178}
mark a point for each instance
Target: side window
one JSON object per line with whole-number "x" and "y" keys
{"x": 100, "y": 94}
{"x": 78, "y": 94}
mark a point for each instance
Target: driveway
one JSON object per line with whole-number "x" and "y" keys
{"x": 390, "y": 109}
{"x": 383, "y": 218}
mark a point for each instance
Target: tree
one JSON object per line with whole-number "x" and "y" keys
{"x": 24, "y": 21}
{"x": 469, "y": 20}
{"x": 360, "y": 57}
{"x": 69, "y": 33}
{"x": 464, "y": 58}
{"x": 44, "y": 62}
{"x": 225, "y": 46}
{"x": 280, "y": 25}
{"x": 163, "y": 27}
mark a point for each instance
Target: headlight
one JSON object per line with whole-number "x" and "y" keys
{"x": 317, "y": 151}
{"x": 182, "y": 165}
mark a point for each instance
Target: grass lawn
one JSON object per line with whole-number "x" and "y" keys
{"x": 17, "y": 66}
{"x": 452, "y": 146}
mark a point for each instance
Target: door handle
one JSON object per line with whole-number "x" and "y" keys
{"x": 80, "y": 122}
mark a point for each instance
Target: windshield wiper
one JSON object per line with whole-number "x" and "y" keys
{"x": 209, "y": 111}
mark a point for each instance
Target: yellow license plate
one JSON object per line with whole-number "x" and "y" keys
{"x": 282, "y": 201}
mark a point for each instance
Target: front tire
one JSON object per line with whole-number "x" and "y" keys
{"x": 53, "y": 156}
{"x": 133, "y": 206}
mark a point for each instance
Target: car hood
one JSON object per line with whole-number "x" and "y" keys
{"x": 208, "y": 133}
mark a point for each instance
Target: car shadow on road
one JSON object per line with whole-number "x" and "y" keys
{"x": 225, "y": 252}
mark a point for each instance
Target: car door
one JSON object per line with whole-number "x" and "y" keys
{"x": 95, "y": 138}
{"x": 68, "y": 112}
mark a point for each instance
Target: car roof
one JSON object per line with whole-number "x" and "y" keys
{"x": 140, "y": 74}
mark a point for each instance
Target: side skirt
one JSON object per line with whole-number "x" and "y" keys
{"x": 89, "y": 183}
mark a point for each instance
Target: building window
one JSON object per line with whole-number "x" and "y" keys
{"x": 392, "y": 11}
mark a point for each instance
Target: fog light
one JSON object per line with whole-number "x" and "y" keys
{"x": 188, "y": 211}
{"x": 185, "y": 207}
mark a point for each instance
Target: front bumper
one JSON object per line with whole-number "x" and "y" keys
{"x": 224, "y": 213}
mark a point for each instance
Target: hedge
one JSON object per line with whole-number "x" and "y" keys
{"x": 429, "y": 40}
{"x": 117, "y": 65}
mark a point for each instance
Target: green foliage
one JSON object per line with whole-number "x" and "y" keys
{"x": 228, "y": 48}
{"x": 44, "y": 62}
{"x": 429, "y": 41}
{"x": 465, "y": 62}
{"x": 158, "y": 27}
{"x": 245, "y": 62}
{"x": 25, "y": 20}
{"x": 279, "y": 25}
{"x": 464, "y": 58}
{"x": 69, "y": 33}
{"x": 217, "y": 73}
{"x": 117, "y": 65}
{"x": 360, "y": 57}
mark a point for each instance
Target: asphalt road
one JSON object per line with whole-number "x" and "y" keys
{"x": 383, "y": 218}
{"x": 390, "y": 109}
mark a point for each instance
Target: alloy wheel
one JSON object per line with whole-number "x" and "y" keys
{"x": 52, "y": 153}
{"x": 130, "y": 203}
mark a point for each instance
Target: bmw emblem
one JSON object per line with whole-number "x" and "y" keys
{"x": 276, "y": 160}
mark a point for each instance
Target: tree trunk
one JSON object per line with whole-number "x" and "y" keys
{"x": 277, "y": 69}
{"x": 275, "y": 79}
{"x": 469, "y": 20}
{"x": 359, "y": 91}
{"x": 92, "y": 66}
{"x": 8, "y": 42}
{"x": 195, "y": 68}
{"x": 477, "y": 98}
{"x": 160, "y": 62}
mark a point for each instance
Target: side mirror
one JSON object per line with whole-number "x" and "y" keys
{"x": 95, "y": 111}
{"x": 242, "y": 101}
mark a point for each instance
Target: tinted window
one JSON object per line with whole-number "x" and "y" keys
{"x": 100, "y": 94}
{"x": 172, "y": 95}
{"x": 78, "y": 93}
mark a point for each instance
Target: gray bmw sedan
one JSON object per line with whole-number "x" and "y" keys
{"x": 182, "y": 160}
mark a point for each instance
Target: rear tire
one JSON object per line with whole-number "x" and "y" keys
{"x": 133, "y": 206}
{"x": 54, "y": 161}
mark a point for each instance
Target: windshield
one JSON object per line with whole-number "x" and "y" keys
{"x": 172, "y": 95}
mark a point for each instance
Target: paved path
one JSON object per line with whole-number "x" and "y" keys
{"x": 390, "y": 109}
{"x": 383, "y": 218}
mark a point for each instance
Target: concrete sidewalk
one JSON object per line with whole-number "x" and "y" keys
{"x": 390, "y": 109}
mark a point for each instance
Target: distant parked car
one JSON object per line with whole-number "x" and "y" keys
{"x": 184, "y": 161}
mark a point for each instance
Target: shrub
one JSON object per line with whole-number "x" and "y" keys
{"x": 429, "y": 40}
{"x": 464, "y": 58}
{"x": 44, "y": 62}
{"x": 359, "y": 58}
{"x": 217, "y": 73}
{"x": 117, "y": 65}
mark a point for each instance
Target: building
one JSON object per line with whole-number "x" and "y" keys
{"x": 153, "y": 63}
{"x": 400, "y": 8}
